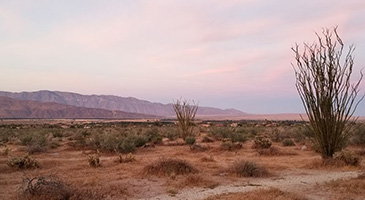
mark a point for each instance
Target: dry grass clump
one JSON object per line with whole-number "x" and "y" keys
{"x": 274, "y": 151}
{"x": 128, "y": 158}
{"x": 260, "y": 194}
{"x": 170, "y": 166}
{"x": 94, "y": 159}
{"x": 230, "y": 146}
{"x": 348, "y": 187}
{"x": 197, "y": 181}
{"x": 198, "y": 148}
{"x": 45, "y": 187}
{"x": 248, "y": 169}
{"x": 348, "y": 157}
{"x": 208, "y": 159}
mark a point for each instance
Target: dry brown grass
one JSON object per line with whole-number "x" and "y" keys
{"x": 275, "y": 151}
{"x": 169, "y": 166}
{"x": 248, "y": 169}
{"x": 348, "y": 188}
{"x": 260, "y": 194}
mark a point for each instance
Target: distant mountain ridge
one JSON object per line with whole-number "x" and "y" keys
{"x": 15, "y": 109}
{"x": 110, "y": 102}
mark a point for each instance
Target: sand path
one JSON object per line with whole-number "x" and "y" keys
{"x": 293, "y": 181}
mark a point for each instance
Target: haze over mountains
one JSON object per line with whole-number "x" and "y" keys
{"x": 73, "y": 105}
{"x": 24, "y": 109}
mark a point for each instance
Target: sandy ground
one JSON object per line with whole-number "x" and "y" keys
{"x": 295, "y": 173}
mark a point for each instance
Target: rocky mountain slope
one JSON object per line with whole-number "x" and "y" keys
{"x": 109, "y": 102}
{"x": 12, "y": 108}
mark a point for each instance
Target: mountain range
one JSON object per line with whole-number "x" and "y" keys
{"x": 55, "y": 104}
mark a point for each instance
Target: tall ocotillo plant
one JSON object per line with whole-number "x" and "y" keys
{"x": 324, "y": 85}
{"x": 185, "y": 113}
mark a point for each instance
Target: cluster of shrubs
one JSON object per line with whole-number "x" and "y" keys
{"x": 234, "y": 134}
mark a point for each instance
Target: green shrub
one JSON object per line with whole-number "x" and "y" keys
{"x": 24, "y": 162}
{"x": 154, "y": 136}
{"x": 139, "y": 140}
{"x": 288, "y": 142}
{"x": 190, "y": 140}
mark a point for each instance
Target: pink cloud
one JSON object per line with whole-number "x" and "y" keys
{"x": 221, "y": 70}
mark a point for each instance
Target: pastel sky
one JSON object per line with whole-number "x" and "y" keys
{"x": 221, "y": 53}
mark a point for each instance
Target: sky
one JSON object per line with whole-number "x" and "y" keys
{"x": 220, "y": 53}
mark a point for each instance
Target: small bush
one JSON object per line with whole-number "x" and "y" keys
{"x": 198, "y": 148}
{"x": 347, "y": 157}
{"x": 153, "y": 136}
{"x": 288, "y": 142}
{"x": 45, "y": 187}
{"x": 230, "y": 146}
{"x": 94, "y": 160}
{"x": 140, "y": 141}
{"x": 24, "y": 162}
{"x": 170, "y": 166}
{"x": 190, "y": 140}
{"x": 248, "y": 169}
{"x": 262, "y": 142}
{"x": 358, "y": 136}
{"x": 128, "y": 158}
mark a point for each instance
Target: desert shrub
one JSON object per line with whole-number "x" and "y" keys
{"x": 277, "y": 135}
{"x": 235, "y": 135}
{"x": 57, "y": 134}
{"x": 207, "y": 139}
{"x": 348, "y": 157}
{"x": 6, "y": 135}
{"x": 94, "y": 159}
{"x": 139, "y": 140}
{"x": 172, "y": 134}
{"x": 24, "y": 162}
{"x": 128, "y": 158}
{"x": 262, "y": 141}
{"x": 198, "y": 148}
{"x": 274, "y": 151}
{"x": 190, "y": 140}
{"x": 358, "y": 136}
{"x": 302, "y": 133}
{"x": 35, "y": 141}
{"x": 248, "y": 169}
{"x": 288, "y": 142}
{"x": 154, "y": 136}
{"x": 45, "y": 187}
{"x": 170, "y": 166}
{"x": 230, "y": 146}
